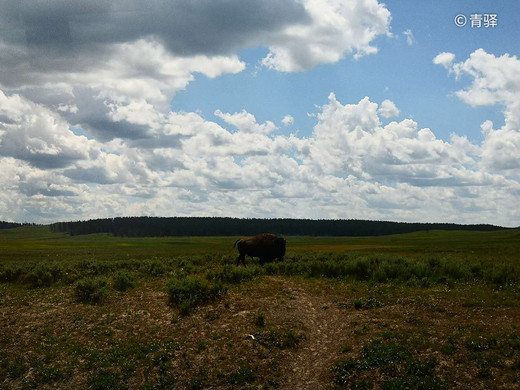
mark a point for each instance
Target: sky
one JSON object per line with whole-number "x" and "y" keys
{"x": 354, "y": 109}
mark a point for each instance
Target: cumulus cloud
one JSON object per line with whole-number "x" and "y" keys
{"x": 352, "y": 166}
{"x": 86, "y": 127}
{"x": 48, "y": 38}
{"x": 112, "y": 68}
{"x": 445, "y": 59}
{"x": 496, "y": 80}
{"x": 287, "y": 120}
{"x": 246, "y": 122}
{"x": 388, "y": 109}
{"x": 37, "y": 135}
{"x": 121, "y": 93}
{"x": 335, "y": 30}
{"x": 350, "y": 140}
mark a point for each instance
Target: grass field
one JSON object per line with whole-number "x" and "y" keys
{"x": 429, "y": 310}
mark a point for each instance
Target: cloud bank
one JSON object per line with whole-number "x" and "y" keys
{"x": 86, "y": 128}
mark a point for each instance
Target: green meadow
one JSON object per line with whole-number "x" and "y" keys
{"x": 427, "y": 310}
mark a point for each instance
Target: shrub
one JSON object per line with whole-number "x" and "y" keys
{"x": 43, "y": 275}
{"x": 418, "y": 375}
{"x": 153, "y": 268}
{"x": 342, "y": 372}
{"x": 481, "y": 344}
{"x": 91, "y": 267}
{"x": 503, "y": 275}
{"x": 122, "y": 281}
{"x": 395, "y": 365}
{"x": 70, "y": 275}
{"x": 105, "y": 380}
{"x": 17, "y": 368}
{"x": 360, "y": 269}
{"x": 10, "y": 274}
{"x": 370, "y": 303}
{"x": 292, "y": 339}
{"x": 456, "y": 270}
{"x": 186, "y": 266}
{"x": 232, "y": 274}
{"x": 260, "y": 320}
{"x": 287, "y": 340}
{"x": 241, "y": 376}
{"x": 91, "y": 290}
{"x": 185, "y": 308}
{"x": 190, "y": 292}
{"x": 378, "y": 354}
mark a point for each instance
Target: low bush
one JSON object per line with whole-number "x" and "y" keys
{"x": 95, "y": 268}
{"x": 241, "y": 376}
{"x": 260, "y": 320}
{"x": 383, "y": 355}
{"x": 105, "y": 380}
{"x": 122, "y": 281}
{"x": 186, "y": 266}
{"x": 287, "y": 340}
{"x": 153, "y": 268}
{"x": 91, "y": 290}
{"x": 190, "y": 292}
{"x": 389, "y": 269}
{"x": 503, "y": 275}
{"x": 10, "y": 273}
{"x": 233, "y": 274}
{"x": 395, "y": 364}
{"x": 42, "y": 275}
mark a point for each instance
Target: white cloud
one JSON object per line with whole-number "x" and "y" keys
{"x": 246, "y": 122}
{"x": 119, "y": 83}
{"x": 37, "y": 135}
{"x": 349, "y": 140}
{"x": 496, "y": 80}
{"x": 410, "y": 39}
{"x": 114, "y": 93}
{"x": 445, "y": 59}
{"x": 388, "y": 109}
{"x": 350, "y": 167}
{"x": 501, "y": 149}
{"x": 137, "y": 156}
{"x": 337, "y": 28}
{"x": 287, "y": 120}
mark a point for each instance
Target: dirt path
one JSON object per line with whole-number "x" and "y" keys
{"x": 326, "y": 333}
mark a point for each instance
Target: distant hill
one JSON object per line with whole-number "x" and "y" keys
{"x": 216, "y": 226}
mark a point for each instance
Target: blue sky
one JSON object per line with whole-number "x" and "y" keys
{"x": 400, "y": 72}
{"x": 298, "y": 109}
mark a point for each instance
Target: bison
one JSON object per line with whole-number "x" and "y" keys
{"x": 266, "y": 246}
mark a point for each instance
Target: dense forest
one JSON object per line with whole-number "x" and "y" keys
{"x": 10, "y": 225}
{"x": 213, "y": 226}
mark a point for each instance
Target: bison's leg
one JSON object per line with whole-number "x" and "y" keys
{"x": 241, "y": 258}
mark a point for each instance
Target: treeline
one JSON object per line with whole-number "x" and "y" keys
{"x": 10, "y": 225}
{"x": 215, "y": 226}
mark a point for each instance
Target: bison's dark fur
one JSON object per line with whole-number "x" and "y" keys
{"x": 266, "y": 246}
